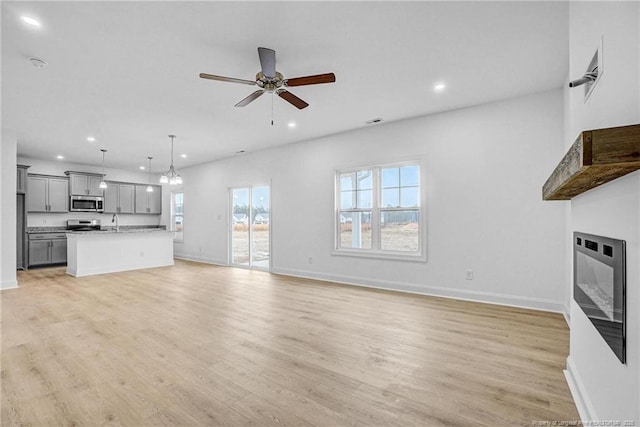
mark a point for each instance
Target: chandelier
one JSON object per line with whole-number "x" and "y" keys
{"x": 171, "y": 177}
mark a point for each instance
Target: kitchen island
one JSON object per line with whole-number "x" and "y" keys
{"x": 99, "y": 252}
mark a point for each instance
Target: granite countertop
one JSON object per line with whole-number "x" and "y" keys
{"x": 122, "y": 230}
{"x": 33, "y": 230}
{"x": 108, "y": 229}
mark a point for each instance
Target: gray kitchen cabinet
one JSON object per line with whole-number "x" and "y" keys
{"x": 59, "y": 251}
{"x": 47, "y": 248}
{"x": 39, "y": 252}
{"x": 119, "y": 198}
{"x": 155, "y": 200}
{"x": 21, "y": 179}
{"x": 84, "y": 184}
{"x": 47, "y": 194}
{"x": 148, "y": 202}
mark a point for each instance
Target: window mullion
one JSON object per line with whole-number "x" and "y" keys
{"x": 375, "y": 210}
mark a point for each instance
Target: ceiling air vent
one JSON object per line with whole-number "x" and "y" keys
{"x": 372, "y": 121}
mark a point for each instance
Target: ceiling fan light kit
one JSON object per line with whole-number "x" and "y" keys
{"x": 270, "y": 80}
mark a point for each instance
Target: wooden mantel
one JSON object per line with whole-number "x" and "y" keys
{"x": 596, "y": 157}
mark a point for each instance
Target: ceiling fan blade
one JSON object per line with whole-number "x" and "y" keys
{"x": 311, "y": 80}
{"x": 226, "y": 79}
{"x": 249, "y": 99}
{"x": 267, "y": 61}
{"x": 292, "y": 99}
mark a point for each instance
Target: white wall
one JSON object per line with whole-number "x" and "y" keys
{"x": 8, "y": 210}
{"x": 484, "y": 168}
{"x": 604, "y": 388}
{"x": 58, "y": 168}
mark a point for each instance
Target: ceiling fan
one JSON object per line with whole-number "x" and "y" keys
{"x": 269, "y": 80}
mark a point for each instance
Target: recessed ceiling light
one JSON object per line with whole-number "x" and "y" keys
{"x": 59, "y": 157}
{"x": 141, "y": 168}
{"x": 91, "y": 139}
{"x": 31, "y": 21}
{"x": 37, "y": 62}
{"x": 292, "y": 125}
{"x": 439, "y": 87}
{"x": 184, "y": 156}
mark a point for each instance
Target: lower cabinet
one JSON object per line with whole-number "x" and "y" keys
{"x": 47, "y": 248}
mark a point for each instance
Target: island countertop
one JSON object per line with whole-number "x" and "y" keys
{"x": 122, "y": 230}
{"x": 107, "y": 229}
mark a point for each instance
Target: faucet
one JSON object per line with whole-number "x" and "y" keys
{"x": 114, "y": 218}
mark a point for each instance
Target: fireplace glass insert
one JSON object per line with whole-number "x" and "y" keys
{"x": 599, "y": 282}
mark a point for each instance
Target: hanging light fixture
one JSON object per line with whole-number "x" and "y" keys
{"x": 103, "y": 185}
{"x": 149, "y": 187}
{"x": 171, "y": 176}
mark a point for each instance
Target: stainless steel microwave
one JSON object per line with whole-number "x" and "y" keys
{"x": 86, "y": 204}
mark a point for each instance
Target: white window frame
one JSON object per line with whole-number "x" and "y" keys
{"x": 376, "y": 210}
{"x": 173, "y": 216}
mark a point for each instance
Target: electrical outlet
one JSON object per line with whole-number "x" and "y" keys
{"x": 310, "y": 260}
{"x": 141, "y": 253}
{"x": 468, "y": 274}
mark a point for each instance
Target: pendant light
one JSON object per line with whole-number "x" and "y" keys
{"x": 171, "y": 176}
{"x": 103, "y": 185}
{"x": 149, "y": 187}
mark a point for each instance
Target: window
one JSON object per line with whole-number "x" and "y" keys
{"x": 379, "y": 211}
{"x": 177, "y": 210}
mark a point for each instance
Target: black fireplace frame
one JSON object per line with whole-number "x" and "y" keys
{"x": 611, "y": 252}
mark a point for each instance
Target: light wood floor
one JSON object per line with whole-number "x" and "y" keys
{"x": 197, "y": 344}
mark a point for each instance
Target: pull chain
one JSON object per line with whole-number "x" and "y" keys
{"x": 271, "y": 108}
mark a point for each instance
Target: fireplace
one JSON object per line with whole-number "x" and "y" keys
{"x": 599, "y": 286}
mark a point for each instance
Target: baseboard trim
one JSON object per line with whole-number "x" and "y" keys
{"x": 200, "y": 259}
{"x": 580, "y": 397}
{"x": 566, "y": 315}
{"x": 8, "y": 284}
{"x": 475, "y": 296}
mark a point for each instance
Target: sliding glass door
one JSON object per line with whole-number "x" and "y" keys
{"x": 250, "y": 227}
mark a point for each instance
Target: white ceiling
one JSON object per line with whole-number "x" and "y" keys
{"x": 127, "y": 72}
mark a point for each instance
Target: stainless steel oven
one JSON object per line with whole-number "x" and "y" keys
{"x": 86, "y": 204}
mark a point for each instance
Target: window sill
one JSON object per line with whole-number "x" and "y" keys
{"x": 380, "y": 255}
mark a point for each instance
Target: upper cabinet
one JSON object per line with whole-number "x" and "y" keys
{"x": 47, "y": 193}
{"x": 148, "y": 202}
{"x": 21, "y": 179}
{"x": 119, "y": 198}
{"x": 84, "y": 184}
